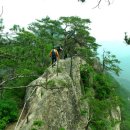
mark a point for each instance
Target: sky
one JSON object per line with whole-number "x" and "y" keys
{"x": 109, "y": 22}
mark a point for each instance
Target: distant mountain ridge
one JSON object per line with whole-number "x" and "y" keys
{"x": 124, "y": 83}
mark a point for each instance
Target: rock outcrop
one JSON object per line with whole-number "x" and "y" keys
{"x": 53, "y": 100}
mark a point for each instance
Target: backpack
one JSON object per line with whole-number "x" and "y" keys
{"x": 53, "y": 54}
{"x": 59, "y": 49}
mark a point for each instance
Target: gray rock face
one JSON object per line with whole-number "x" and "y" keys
{"x": 116, "y": 115}
{"x": 53, "y": 100}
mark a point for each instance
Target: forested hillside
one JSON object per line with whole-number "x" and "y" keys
{"x": 24, "y": 55}
{"x": 124, "y": 92}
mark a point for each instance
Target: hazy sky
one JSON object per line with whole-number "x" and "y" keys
{"x": 108, "y": 22}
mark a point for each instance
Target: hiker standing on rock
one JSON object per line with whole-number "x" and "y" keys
{"x": 54, "y": 56}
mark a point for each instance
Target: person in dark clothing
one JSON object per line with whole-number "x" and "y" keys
{"x": 54, "y": 56}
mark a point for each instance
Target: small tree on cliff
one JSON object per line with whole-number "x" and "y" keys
{"x": 110, "y": 63}
{"x": 76, "y": 36}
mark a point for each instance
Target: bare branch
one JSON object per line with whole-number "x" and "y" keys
{"x": 1, "y": 11}
{"x": 109, "y": 2}
{"x": 38, "y": 85}
{"x": 20, "y": 87}
{"x": 13, "y": 78}
{"x": 30, "y": 85}
{"x": 99, "y": 2}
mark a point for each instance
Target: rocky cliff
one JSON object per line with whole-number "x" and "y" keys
{"x": 53, "y": 101}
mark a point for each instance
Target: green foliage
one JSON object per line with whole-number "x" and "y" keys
{"x": 51, "y": 83}
{"x": 37, "y": 124}
{"x": 16, "y": 95}
{"x": 50, "y": 31}
{"x": 102, "y": 87}
{"x": 100, "y": 110}
{"x": 102, "y": 124}
{"x": 23, "y": 58}
{"x": 8, "y": 112}
{"x": 100, "y": 94}
{"x": 125, "y": 107}
{"x": 83, "y": 112}
{"x": 110, "y": 63}
{"x": 101, "y": 83}
{"x": 33, "y": 129}
{"x": 3, "y": 123}
{"x": 76, "y": 34}
{"x": 62, "y": 129}
{"x": 86, "y": 72}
